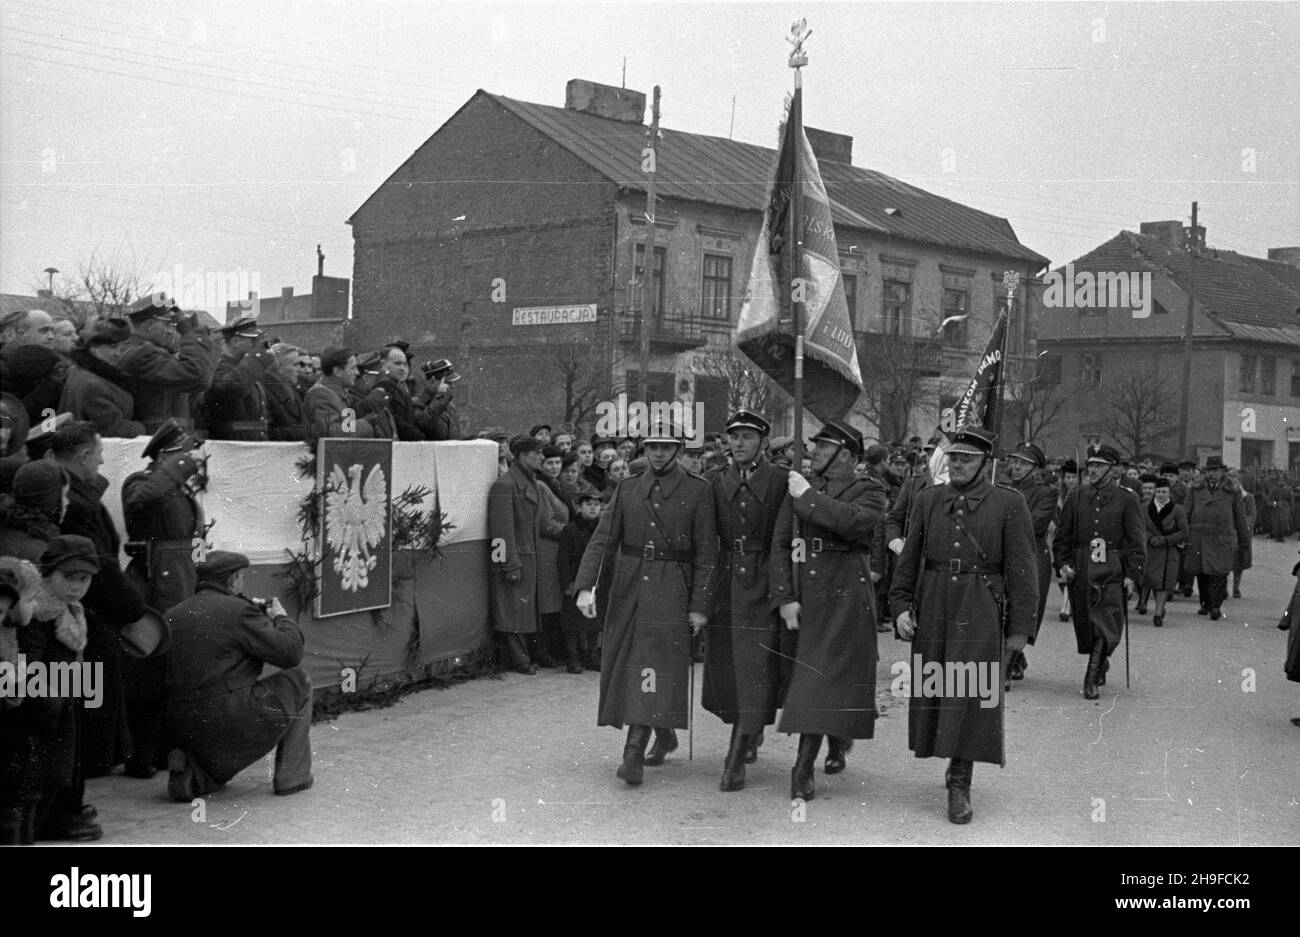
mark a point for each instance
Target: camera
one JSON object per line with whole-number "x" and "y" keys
{"x": 263, "y": 604}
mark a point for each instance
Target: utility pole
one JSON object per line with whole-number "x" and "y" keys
{"x": 648, "y": 262}
{"x": 1193, "y": 245}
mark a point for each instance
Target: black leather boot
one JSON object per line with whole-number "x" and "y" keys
{"x": 803, "y": 785}
{"x": 836, "y": 749}
{"x": 733, "y": 771}
{"x": 665, "y": 742}
{"x": 572, "y": 653}
{"x": 633, "y": 768}
{"x": 1094, "y": 669}
{"x": 958, "y": 778}
{"x": 751, "y": 753}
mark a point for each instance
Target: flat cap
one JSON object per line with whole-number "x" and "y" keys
{"x": 71, "y": 553}
{"x": 36, "y": 481}
{"x": 221, "y": 563}
{"x": 521, "y": 444}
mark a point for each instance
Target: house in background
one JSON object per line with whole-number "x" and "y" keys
{"x": 1112, "y": 368}
{"x": 514, "y": 242}
{"x": 313, "y": 321}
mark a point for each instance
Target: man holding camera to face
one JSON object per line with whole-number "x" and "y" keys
{"x": 435, "y": 410}
{"x": 235, "y": 406}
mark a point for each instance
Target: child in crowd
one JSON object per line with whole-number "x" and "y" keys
{"x": 581, "y": 634}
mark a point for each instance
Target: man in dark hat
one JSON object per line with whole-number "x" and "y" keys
{"x": 1023, "y": 467}
{"x": 169, "y": 358}
{"x": 1100, "y": 549}
{"x": 660, "y": 535}
{"x": 896, "y": 519}
{"x": 236, "y": 406}
{"x": 435, "y": 407}
{"x": 392, "y": 378}
{"x": 1067, "y": 481}
{"x": 965, "y": 594}
{"x": 96, "y": 389}
{"x": 165, "y": 530}
{"x": 821, "y": 583}
{"x": 744, "y": 664}
{"x": 222, "y": 715}
{"x": 515, "y": 530}
{"x": 1218, "y": 535}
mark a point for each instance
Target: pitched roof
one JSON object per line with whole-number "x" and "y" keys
{"x": 15, "y": 302}
{"x": 1254, "y": 298}
{"x": 700, "y": 168}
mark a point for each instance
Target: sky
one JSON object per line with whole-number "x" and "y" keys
{"x": 235, "y": 137}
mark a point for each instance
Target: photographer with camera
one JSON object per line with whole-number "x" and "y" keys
{"x": 168, "y": 358}
{"x": 235, "y": 406}
{"x": 435, "y": 410}
{"x": 221, "y": 713}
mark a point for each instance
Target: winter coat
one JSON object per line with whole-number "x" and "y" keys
{"x": 573, "y": 544}
{"x": 35, "y": 375}
{"x": 235, "y": 405}
{"x": 164, "y": 383}
{"x": 962, "y": 616}
{"x": 1041, "y": 502}
{"x": 99, "y": 392}
{"x": 554, "y": 516}
{"x": 659, "y": 534}
{"x": 514, "y": 532}
{"x": 1166, "y": 529}
{"x": 283, "y": 409}
{"x": 324, "y": 406}
{"x": 1218, "y": 538}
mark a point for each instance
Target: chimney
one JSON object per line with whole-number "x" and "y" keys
{"x": 1168, "y": 232}
{"x": 1285, "y": 255}
{"x": 45, "y": 294}
{"x": 836, "y": 147}
{"x": 604, "y": 101}
{"x": 286, "y": 293}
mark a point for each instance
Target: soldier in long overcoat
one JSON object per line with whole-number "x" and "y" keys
{"x": 1024, "y": 467}
{"x": 164, "y": 526}
{"x": 515, "y": 530}
{"x": 1099, "y": 549}
{"x": 222, "y": 714}
{"x": 169, "y": 360}
{"x": 660, "y": 533}
{"x": 1218, "y": 537}
{"x": 744, "y": 664}
{"x": 236, "y": 406}
{"x": 825, "y": 593}
{"x": 965, "y": 593}
{"x": 1166, "y": 531}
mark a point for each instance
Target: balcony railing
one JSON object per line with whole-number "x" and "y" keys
{"x": 673, "y": 331}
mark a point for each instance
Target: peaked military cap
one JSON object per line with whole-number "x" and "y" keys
{"x": 841, "y": 433}
{"x": 974, "y": 439}
{"x": 168, "y": 436}
{"x": 746, "y": 419}
{"x": 243, "y": 327}
{"x": 153, "y": 306}
{"x": 1029, "y": 452}
{"x": 1100, "y": 453}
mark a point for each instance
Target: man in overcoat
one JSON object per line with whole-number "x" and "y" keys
{"x": 169, "y": 358}
{"x": 1099, "y": 550}
{"x": 821, "y": 584}
{"x": 515, "y": 530}
{"x": 1024, "y": 467}
{"x": 236, "y": 405}
{"x": 660, "y": 533}
{"x": 743, "y": 661}
{"x": 1218, "y": 535}
{"x": 222, "y": 714}
{"x": 164, "y": 529}
{"x": 965, "y": 593}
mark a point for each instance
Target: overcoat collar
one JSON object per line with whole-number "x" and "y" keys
{"x": 973, "y": 496}
{"x": 524, "y": 483}
{"x": 757, "y": 481}
{"x": 834, "y": 487}
{"x": 667, "y": 482}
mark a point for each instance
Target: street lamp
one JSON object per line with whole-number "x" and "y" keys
{"x": 50, "y": 271}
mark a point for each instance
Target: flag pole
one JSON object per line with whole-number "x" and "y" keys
{"x": 1010, "y": 280}
{"x": 798, "y": 59}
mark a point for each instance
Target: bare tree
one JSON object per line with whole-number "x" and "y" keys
{"x": 107, "y": 283}
{"x": 1034, "y": 401}
{"x": 584, "y": 378}
{"x": 892, "y": 368}
{"x": 1140, "y": 410}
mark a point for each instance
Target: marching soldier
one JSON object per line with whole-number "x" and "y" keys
{"x": 660, "y": 533}
{"x": 965, "y": 593}
{"x": 169, "y": 359}
{"x": 1099, "y": 549}
{"x": 164, "y": 524}
{"x": 236, "y": 406}
{"x": 824, "y": 591}
{"x": 743, "y": 663}
{"x": 1024, "y": 466}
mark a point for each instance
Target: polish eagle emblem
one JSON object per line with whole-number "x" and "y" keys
{"x": 356, "y": 520}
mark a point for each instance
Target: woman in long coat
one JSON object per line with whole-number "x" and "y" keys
{"x": 1166, "y": 530}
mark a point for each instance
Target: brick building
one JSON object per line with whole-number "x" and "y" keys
{"x": 314, "y": 321}
{"x": 513, "y": 241}
{"x": 1245, "y": 390}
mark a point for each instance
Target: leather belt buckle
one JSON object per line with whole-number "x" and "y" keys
{"x": 817, "y": 544}
{"x": 954, "y": 566}
{"x": 648, "y": 552}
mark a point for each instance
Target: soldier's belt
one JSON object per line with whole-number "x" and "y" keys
{"x": 652, "y": 552}
{"x": 957, "y": 567}
{"x": 240, "y": 426}
{"x": 738, "y": 546}
{"x": 827, "y": 545}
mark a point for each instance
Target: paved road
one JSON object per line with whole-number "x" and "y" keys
{"x": 1189, "y": 755}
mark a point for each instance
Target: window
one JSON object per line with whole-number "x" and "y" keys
{"x": 661, "y": 261}
{"x": 1247, "y": 374}
{"x": 1049, "y": 370}
{"x": 955, "y": 303}
{"x": 1091, "y": 376}
{"x": 1268, "y": 376}
{"x": 716, "y": 295}
{"x": 851, "y": 297}
{"x": 1295, "y": 378}
{"x": 896, "y": 311}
